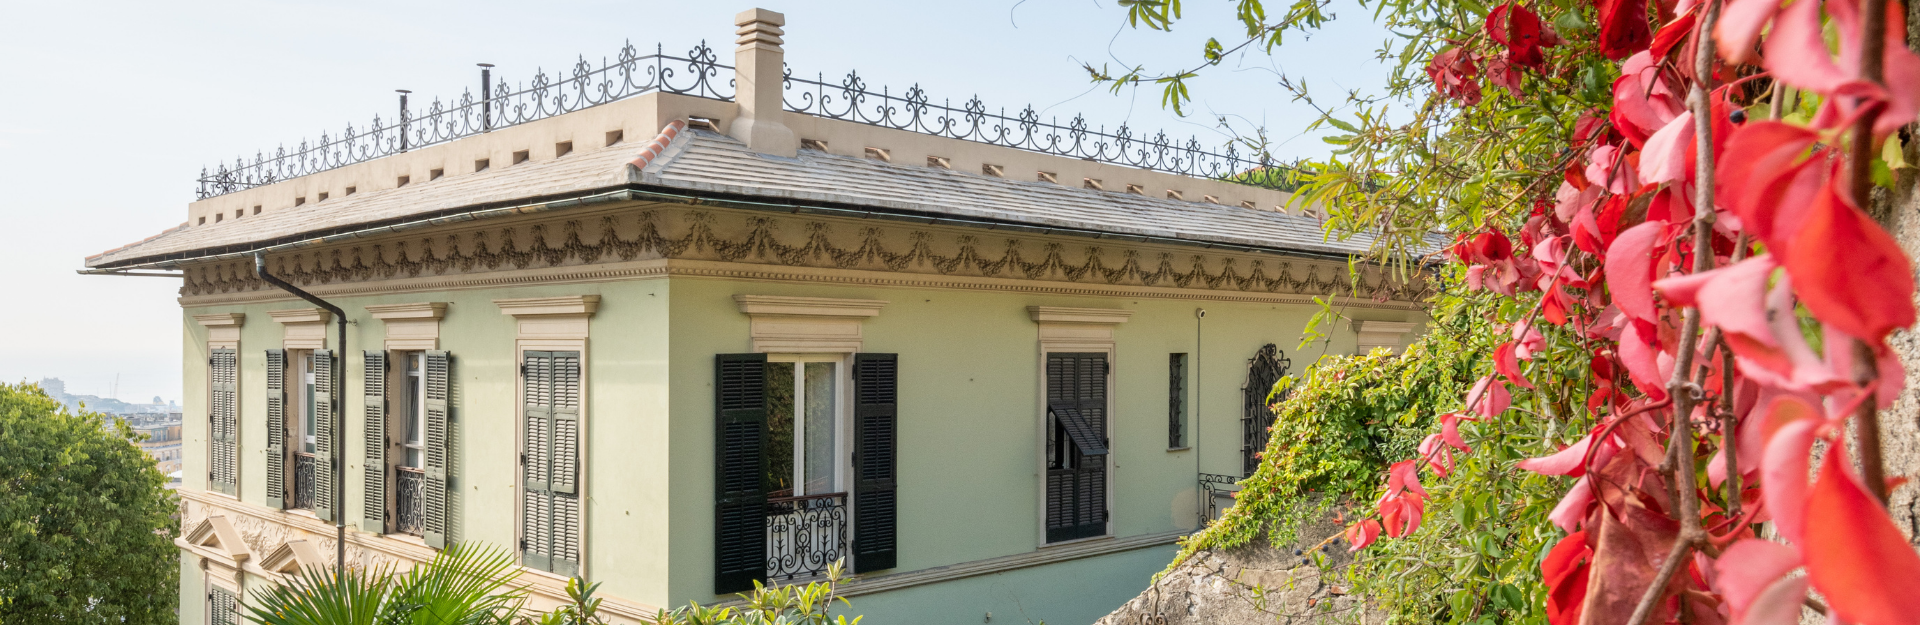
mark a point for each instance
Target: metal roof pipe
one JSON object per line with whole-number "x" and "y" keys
{"x": 339, "y": 433}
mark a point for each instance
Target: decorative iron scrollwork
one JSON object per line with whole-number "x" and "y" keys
{"x": 502, "y": 104}
{"x": 409, "y": 517}
{"x": 1256, "y": 418}
{"x": 302, "y": 481}
{"x": 805, "y": 535}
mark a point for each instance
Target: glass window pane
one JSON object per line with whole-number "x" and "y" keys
{"x": 414, "y": 408}
{"x": 820, "y": 453}
{"x": 780, "y": 388}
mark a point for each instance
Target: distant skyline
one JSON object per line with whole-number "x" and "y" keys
{"x": 113, "y": 109}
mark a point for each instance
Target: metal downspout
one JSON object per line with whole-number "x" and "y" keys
{"x": 339, "y": 433}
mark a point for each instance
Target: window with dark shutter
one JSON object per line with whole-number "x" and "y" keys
{"x": 223, "y": 421}
{"x": 876, "y": 434}
{"x": 1176, "y": 401}
{"x": 277, "y": 428}
{"x": 1076, "y": 446}
{"x": 550, "y": 505}
{"x": 740, "y": 497}
{"x": 433, "y": 490}
{"x": 373, "y": 492}
{"x": 324, "y": 413}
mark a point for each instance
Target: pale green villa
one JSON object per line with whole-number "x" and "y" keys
{"x": 656, "y": 330}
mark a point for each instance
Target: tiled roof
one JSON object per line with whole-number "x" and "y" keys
{"x": 702, "y": 162}
{"x": 709, "y": 162}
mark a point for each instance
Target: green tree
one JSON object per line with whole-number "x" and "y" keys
{"x": 86, "y": 522}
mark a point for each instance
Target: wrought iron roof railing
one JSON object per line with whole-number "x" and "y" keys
{"x": 498, "y": 106}
{"x": 501, "y": 105}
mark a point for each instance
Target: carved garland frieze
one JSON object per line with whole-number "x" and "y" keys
{"x": 728, "y": 236}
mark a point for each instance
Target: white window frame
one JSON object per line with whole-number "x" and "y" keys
{"x": 842, "y": 415}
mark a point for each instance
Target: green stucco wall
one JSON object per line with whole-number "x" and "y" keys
{"x": 969, "y": 445}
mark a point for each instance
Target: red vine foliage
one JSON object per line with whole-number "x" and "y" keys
{"x": 1698, "y": 250}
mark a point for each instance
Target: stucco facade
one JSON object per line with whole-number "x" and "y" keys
{"x": 634, "y": 258}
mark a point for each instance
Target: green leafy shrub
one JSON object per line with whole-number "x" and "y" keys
{"x": 86, "y": 521}
{"x": 771, "y": 605}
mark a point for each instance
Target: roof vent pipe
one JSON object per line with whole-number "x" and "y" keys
{"x": 759, "y": 83}
{"x": 339, "y": 425}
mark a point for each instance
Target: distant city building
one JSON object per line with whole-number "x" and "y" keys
{"x": 162, "y": 440}
{"x": 57, "y": 389}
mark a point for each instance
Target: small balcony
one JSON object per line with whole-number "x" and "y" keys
{"x": 408, "y": 505}
{"x": 302, "y": 481}
{"x": 805, "y": 535}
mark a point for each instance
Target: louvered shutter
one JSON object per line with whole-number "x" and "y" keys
{"x": 223, "y": 608}
{"x": 740, "y": 497}
{"x": 223, "y": 423}
{"x": 1077, "y": 407}
{"x": 550, "y": 507}
{"x": 875, "y": 467}
{"x": 373, "y": 492}
{"x": 324, "y": 414}
{"x": 276, "y": 428}
{"x": 433, "y": 493}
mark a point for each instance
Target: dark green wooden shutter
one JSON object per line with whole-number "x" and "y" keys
{"x": 1077, "y": 410}
{"x": 875, "y": 467}
{"x": 373, "y": 493}
{"x": 276, "y": 428}
{"x": 433, "y": 493}
{"x": 550, "y": 508}
{"x": 223, "y": 423}
{"x": 740, "y": 499}
{"x": 324, "y": 413}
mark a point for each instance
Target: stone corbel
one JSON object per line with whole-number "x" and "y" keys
{"x": 304, "y": 328}
{"x": 806, "y": 324}
{"x": 1372, "y": 334}
{"x": 411, "y": 326}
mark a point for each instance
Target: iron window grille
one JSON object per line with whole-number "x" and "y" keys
{"x": 1264, "y": 370}
{"x": 409, "y": 517}
{"x": 1176, "y": 401}
{"x": 302, "y": 481}
{"x": 805, "y": 535}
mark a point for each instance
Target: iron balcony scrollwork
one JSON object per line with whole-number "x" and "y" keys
{"x": 302, "y": 481}
{"x": 409, "y": 513}
{"x": 805, "y": 535}
{"x": 501, "y": 105}
{"x": 1217, "y": 493}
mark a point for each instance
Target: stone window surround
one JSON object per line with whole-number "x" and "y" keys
{"x": 555, "y": 324}
{"x": 223, "y": 332}
{"x": 302, "y": 328}
{"x": 1371, "y": 334}
{"x": 1068, "y": 329}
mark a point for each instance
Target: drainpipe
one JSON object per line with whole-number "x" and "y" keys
{"x": 339, "y": 433}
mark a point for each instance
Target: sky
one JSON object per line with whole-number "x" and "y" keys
{"x": 111, "y": 110}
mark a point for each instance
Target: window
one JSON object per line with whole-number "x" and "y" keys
{"x": 415, "y": 411}
{"x": 803, "y": 426}
{"x": 1076, "y": 446}
{"x": 305, "y": 432}
{"x": 1176, "y": 401}
{"x": 223, "y": 423}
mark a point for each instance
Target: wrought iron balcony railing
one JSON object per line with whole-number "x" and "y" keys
{"x": 1216, "y": 494}
{"x": 302, "y": 481}
{"x": 805, "y": 535}
{"x": 408, "y": 513}
{"x": 698, "y": 74}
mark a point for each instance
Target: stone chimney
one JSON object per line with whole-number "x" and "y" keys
{"x": 759, "y": 73}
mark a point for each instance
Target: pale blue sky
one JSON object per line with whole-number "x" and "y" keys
{"x": 110, "y": 110}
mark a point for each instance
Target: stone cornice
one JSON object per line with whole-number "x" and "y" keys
{"x": 808, "y": 306}
{"x": 604, "y": 245}
{"x": 1062, "y": 314}
{"x": 549, "y": 306}
{"x": 422, "y": 310}
{"x": 300, "y": 315}
{"x": 222, "y": 320}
